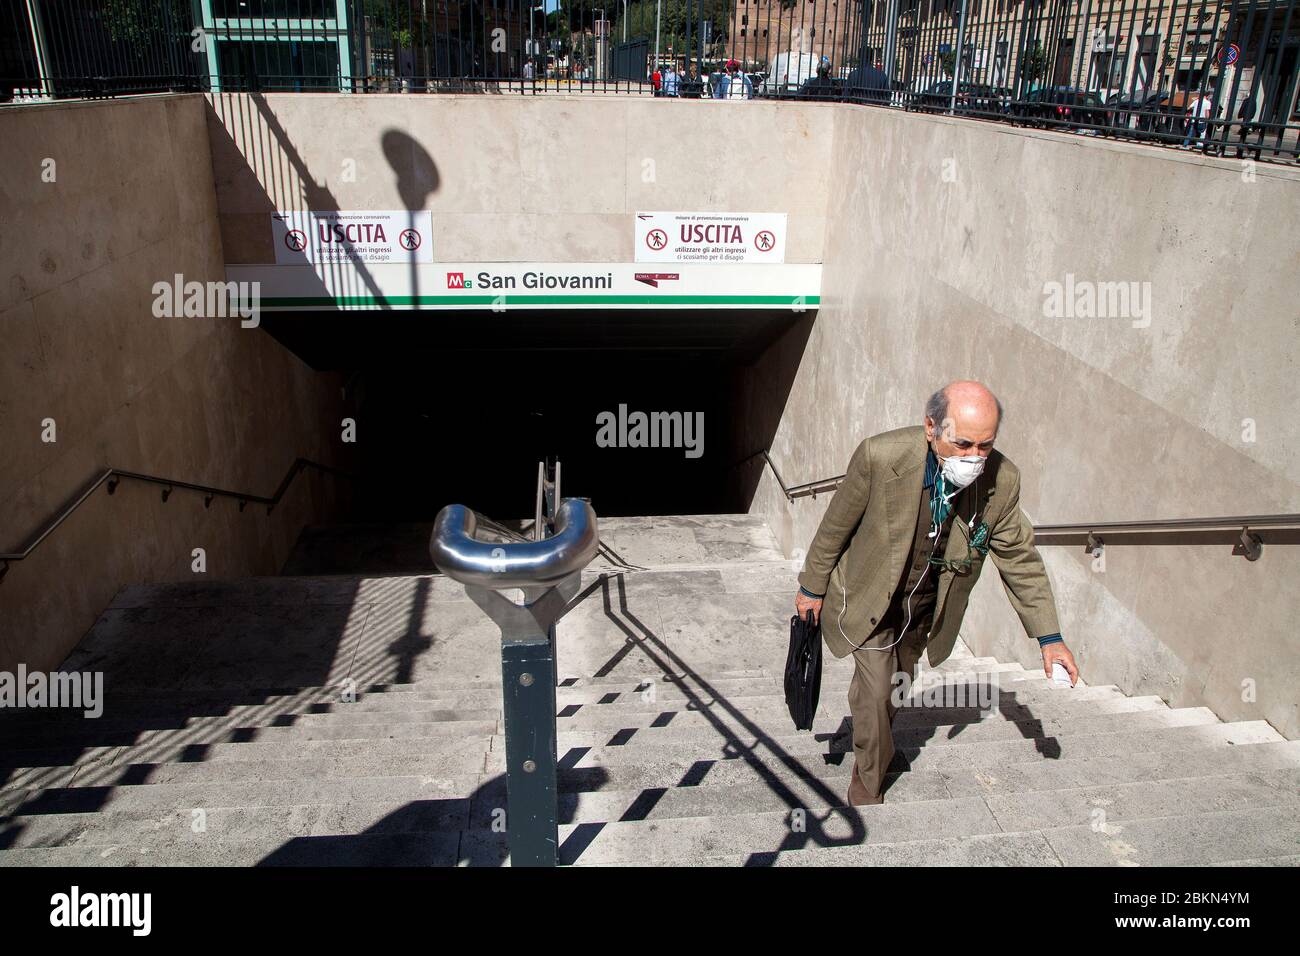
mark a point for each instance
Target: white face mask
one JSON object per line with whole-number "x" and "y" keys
{"x": 960, "y": 472}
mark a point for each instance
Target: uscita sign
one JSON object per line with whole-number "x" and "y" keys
{"x": 365, "y": 236}
{"x": 710, "y": 237}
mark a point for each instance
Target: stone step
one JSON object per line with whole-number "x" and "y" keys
{"x": 846, "y": 836}
{"x": 774, "y": 716}
{"x": 684, "y": 838}
{"x": 348, "y": 721}
{"x": 1182, "y": 839}
{"x": 26, "y": 722}
{"x": 1019, "y": 694}
{"x": 400, "y": 849}
{"x": 52, "y": 729}
{"x": 14, "y": 779}
{"x": 154, "y": 699}
{"x": 281, "y": 749}
{"x": 160, "y": 797}
{"x": 929, "y": 757}
{"x": 180, "y": 830}
{"x": 1038, "y": 774}
{"x": 1105, "y": 805}
{"x": 287, "y": 727}
{"x": 723, "y": 775}
{"x": 177, "y": 711}
{"x": 1013, "y": 812}
{"x": 1203, "y": 839}
{"x": 779, "y": 730}
{"x": 980, "y": 850}
{"x": 1271, "y": 861}
{"x": 1106, "y": 734}
{"x": 177, "y": 829}
{"x": 837, "y": 676}
{"x": 1034, "y": 773}
{"x": 353, "y": 762}
{"x": 1020, "y": 684}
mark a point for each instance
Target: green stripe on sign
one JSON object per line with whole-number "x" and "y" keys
{"x": 392, "y": 300}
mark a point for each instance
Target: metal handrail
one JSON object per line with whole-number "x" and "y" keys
{"x": 1216, "y": 523}
{"x": 463, "y": 557}
{"x": 113, "y": 476}
{"x": 808, "y": 489}
{"x": 506, "y": 533}
{"x": 548, "y": 570}
{"x": 1239, "y": 523}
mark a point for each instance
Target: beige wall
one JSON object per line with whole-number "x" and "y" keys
{"x": 929, "y": 278}
{"x": 938, "y": 236}
{"x": 514, "y": 178}
{"x": 200, "y": 400}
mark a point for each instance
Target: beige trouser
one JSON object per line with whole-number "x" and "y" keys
{"x": 869, "y": 698}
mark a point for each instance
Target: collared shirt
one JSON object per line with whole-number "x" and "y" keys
{"x": 931, "y": 468}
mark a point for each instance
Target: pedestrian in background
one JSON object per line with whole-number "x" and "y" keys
{"x": 671, "y": 80}
{"x": 1198, "y": 115}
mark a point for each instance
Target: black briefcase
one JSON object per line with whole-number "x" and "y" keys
{"x": 803, "y": 670}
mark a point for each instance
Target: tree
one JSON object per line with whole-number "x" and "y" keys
{"x": 1033, "y": 62}
{"x": 140, "y": 22}
{"x": 672, "y": 26}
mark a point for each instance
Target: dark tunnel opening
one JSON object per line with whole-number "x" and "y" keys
{"x": 459, "y": 407}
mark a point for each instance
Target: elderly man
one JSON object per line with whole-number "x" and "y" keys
{"x": 899, "y": 549}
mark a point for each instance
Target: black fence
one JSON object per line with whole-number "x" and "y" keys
{"x": 629, "y": 60}
{"x": 1216, "y": 76}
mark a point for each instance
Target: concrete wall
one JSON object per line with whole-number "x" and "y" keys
{"x": 941, "y": 234}
{"x": 202, "y": 400}
{"x": 938, "y": 236}
{"x": 514, "y": 178}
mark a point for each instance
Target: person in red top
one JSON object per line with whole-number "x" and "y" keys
{"x": 656, "y": 80}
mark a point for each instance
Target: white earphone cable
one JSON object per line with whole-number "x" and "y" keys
{"x": 934, "y": 535}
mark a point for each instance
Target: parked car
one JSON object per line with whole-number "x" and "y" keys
{"x": 971, "y": 98}
{"x": 788, "y": 73}
{"x": 868, "y": 85}
{"x": 1143, "y": 114}
{"x": 1061, "y": 107}
{"x": 822, "y": 88}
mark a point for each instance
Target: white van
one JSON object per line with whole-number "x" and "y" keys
{"x": 789, "y": 71}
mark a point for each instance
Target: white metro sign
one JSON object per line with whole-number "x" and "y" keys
{"x": 376, "y": 236}
{"x": 710, "y": 237}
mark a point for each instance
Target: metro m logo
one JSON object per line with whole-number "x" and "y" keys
{"x": 455, "y": 280}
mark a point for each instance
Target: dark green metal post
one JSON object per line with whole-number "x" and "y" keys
{"x": 528, "y": 691}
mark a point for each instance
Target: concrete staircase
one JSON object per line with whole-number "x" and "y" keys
{"x": 227, "y": 737}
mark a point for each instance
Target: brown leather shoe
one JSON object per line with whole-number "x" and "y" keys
{"x": 859, "y": 796}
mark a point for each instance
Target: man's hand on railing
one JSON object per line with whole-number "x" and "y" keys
{"x": 803, "y": 602}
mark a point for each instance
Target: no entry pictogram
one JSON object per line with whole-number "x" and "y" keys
{"x": 295, "y": 240}
{"x": 656, "y": 239}
{"x": 764, "y": 241}
{"x": 409, "y": 240}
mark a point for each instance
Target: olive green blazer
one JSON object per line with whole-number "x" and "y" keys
{"x": 865, "y": 538}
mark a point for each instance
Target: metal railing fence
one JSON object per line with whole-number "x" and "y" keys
{"x": 1215, "y": 75}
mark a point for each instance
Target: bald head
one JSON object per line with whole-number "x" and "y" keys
{"x": 962, "y": 418}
